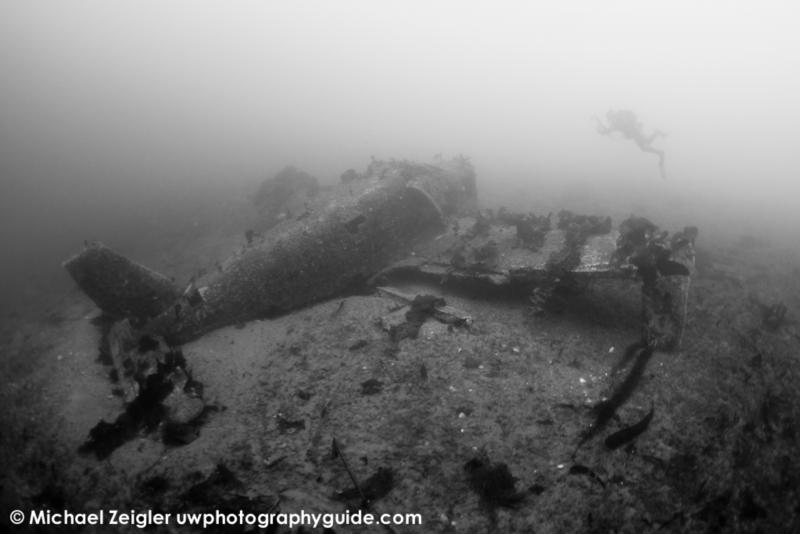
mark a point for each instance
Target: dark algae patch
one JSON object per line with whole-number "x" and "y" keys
{"x": 422, "y": 307}
{"x": 375, "y": 487}
{"x": 493, "y": 482}
{"x": 146, "y": 413}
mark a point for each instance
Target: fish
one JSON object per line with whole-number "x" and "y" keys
{"x": 579, "y": 469}
{"x": 631, "y": 351}
{"x": 606, "y": 409}
{"x": 493, "y": 482}
{"x": 621, "y": 437}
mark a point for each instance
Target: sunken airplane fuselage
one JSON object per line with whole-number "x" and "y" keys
{"x": 369, "y": 226}
{"x": 341, "y": 240}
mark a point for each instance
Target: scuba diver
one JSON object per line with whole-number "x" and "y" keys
{"x": 625, "y": 122}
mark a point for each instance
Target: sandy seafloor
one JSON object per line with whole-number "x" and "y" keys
{"x": 720, "y": 455}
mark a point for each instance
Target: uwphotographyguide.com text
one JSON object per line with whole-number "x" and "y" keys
{"x": 149, "y": 518}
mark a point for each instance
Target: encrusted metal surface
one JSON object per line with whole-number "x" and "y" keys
{"x": 597, "y": 253}
{"x": 498, "y": 250}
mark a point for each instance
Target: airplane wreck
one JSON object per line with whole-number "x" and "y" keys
{"x": 394, "y": 221}
{"x": 398, "y": 217}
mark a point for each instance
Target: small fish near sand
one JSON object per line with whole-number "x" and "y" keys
{"x": 579, "y": 469}
{"x": 640, "y": 352}
{"x": 621, "y": 437}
